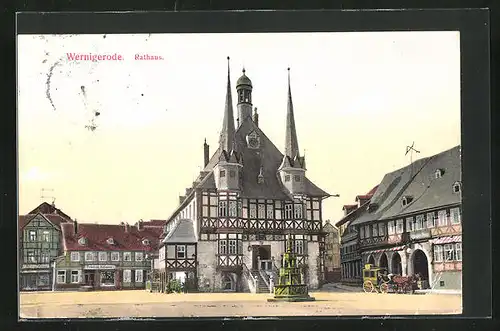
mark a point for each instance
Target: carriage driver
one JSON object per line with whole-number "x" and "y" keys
{"x": 384, "y": 277}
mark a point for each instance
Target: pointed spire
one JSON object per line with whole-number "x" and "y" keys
{"x": 291, "y": 143}
{"x": 255, "y": 117}
{"x": 227, "y": 133}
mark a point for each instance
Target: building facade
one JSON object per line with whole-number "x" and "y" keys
{"x": 248, "y": 196}
{"x": 350, "y": 257}
{"x": 39, "y": 244}
{"x": 412, "y": 224}
{"x": 178, "y": 256}
{"x": 332, "y": 253}
{"x": 106, "y": 257}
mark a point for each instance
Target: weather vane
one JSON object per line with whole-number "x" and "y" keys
{"x": 410, "y": 149}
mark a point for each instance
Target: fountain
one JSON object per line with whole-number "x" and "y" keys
{"x": 290, "y": 283}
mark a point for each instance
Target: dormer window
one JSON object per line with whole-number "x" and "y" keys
{"x": 372, "y": 207}
{"x": 145, "y": 242}
{"x": 439, "y": 173}
{"x": 406, "y": 200}
{"x": 457, "y": 187}
{"x": 296, "y": 178}
{"x": 110, "y": 241}
{"x": 287, "y": 178}
{"x": 82, "y": 241}
{"x": 222, "y": 173}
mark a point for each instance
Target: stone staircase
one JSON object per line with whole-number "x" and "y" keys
{"x": 263, "y": 287}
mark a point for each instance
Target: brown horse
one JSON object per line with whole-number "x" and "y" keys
{"x": 404, "y": 284}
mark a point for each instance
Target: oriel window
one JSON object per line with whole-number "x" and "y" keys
{"x": 233, "y": 211}
{"x": 262, "y": 211}
{"x": 222, "y": 208}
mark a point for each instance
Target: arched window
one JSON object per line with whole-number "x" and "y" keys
{"x": 227, "y": 283}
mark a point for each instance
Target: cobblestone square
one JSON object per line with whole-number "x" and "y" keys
{"x": 116, "y": 304}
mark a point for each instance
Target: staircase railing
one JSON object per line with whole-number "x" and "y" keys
{"x": 265, "y": 277}
{"x": 250, "y": 279}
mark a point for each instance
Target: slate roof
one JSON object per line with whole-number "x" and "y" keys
{"x": 267, "y": 157}
{"x": 417, "y": 181}
{"x": 97, "y": 236}
{"x": 428, "y": 192}
{"x": 182, "y": 232}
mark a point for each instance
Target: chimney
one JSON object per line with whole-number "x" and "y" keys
{"x": 75, "y": 227}
{"x": 140, "y": 225}
{"x": 206, "y": 153}
{"x": 181, "y": 199}
{"x": 126, "y": 227}
{"x": 255, "y": 117}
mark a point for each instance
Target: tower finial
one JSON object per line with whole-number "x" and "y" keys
{"x": 243, "y": 70}
{"x": 291, "y": 142}
{"x": 228, "y": 130}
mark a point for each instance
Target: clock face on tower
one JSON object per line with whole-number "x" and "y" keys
{"x": 253, "y": 140}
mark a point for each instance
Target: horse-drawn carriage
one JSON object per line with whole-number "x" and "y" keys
{"x": 376, "y": 279}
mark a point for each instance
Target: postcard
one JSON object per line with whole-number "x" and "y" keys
{"x": 239, "y": 174}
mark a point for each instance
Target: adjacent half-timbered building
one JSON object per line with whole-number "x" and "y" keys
{"x": 350, "y": 256}
{"x": 332, "y": 253}
{"x": 39, "y": 244}
{"x": 106, "y": 257}
{"x": 412, "y": 224}
{"x": 247, "y": 197}
{"x": 178, "y": 255}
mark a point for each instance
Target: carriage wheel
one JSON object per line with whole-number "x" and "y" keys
{"x": 384, "y": 288}
{"x": 368, "y": 286}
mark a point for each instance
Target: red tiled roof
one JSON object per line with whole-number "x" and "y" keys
{"x": 55, "y": 219}
{"x": 353, "y": 208}
{"x": 154, "y": 223}
{"x": 24, "y": 220}
{"x": 46, "y": 208}
{"x": 98, "y": 234}
{"x": 372, "y": 191}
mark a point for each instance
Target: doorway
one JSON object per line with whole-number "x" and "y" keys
{"x": 262, "y": 252}
{"x": 420, "y": 265}
{"x": 396, "y": 264}
{"x": 383, "y": 263}
{"x": 89, "y": 278}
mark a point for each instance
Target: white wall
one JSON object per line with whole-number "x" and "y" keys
{"x": 207, "y": 264}
{"x": 313, "y": 252}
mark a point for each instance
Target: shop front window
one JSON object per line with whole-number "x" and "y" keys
{"x": 107, "y": 278}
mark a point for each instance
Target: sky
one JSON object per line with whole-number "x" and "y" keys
{"x": 359, "y": 100}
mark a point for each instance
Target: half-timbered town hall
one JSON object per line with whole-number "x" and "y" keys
{"x": 238, "y": 211}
